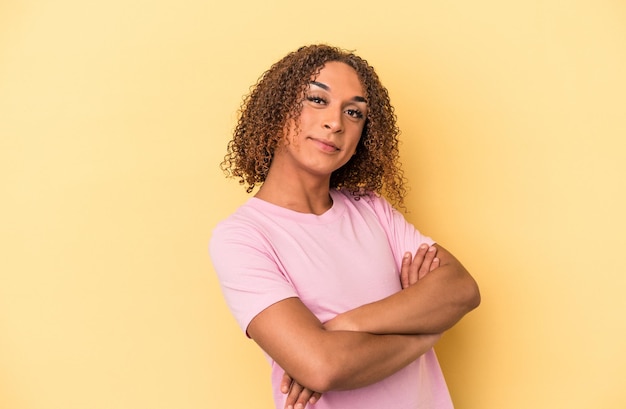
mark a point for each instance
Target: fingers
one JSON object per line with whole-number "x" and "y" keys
{"x": 315, "y": 397}
{"x": 427, "y": 260}
{"x": 435, "y": 264}
{"x": 413, "y": 268}
{"x": 285, "y": 383}
{"x": 404, "y": 269}
{"x": 421, "y": 257}
{"x": 297, "y": 395}
{"x": 303, "y": 398}
{"x": 294, "y": 395}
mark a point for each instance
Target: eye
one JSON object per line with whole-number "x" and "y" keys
{"x": 354, "y": 113}
{"x": 316, "y": 99}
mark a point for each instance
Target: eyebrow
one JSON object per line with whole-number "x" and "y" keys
{"x": 325, "y": 87}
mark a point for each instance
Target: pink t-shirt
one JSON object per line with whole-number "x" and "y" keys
{"x": 334, "y": 262}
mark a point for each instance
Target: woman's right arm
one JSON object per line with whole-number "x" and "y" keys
{"x": 324, "y": 360}
{"x": 413, "y": 268}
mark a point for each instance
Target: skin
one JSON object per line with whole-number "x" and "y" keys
{"x": 369, "y": 343}
{"x": 329, "y": 129}
{"x": 413, "y": 268}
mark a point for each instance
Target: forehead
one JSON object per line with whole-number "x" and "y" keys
{"x": 340, "y": 77}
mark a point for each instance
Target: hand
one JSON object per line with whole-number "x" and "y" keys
{"x": 414, "y": 268}
{"x": 297, "y": 395}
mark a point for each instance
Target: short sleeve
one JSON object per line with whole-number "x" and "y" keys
{"x": 249, "y": 276}
{"x": 402, "y": 235}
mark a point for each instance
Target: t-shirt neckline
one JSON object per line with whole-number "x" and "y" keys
{"x": 330, "y": 215}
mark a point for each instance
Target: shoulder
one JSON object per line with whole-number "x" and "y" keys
{"x": 244, "y": 216}
{"x": 240, "y": 228}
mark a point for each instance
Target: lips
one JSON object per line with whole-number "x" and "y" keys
{"x": 325, "y": 145}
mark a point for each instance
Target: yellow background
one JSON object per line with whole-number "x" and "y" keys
{"x": 115, "y": 114}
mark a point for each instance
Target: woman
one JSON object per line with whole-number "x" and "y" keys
{"x": 317, "y": 267}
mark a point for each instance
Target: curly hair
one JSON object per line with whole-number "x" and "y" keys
{"x": 277, "y": 99}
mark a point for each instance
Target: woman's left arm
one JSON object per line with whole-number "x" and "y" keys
{"x": 431, "y": 305}
{"x": 413, "y": 268}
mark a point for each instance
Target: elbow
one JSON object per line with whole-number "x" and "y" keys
{"x": 319, "y": 373}
{"x": 328, "y": 373}
{"x": 322, "y": 384}
{"x": 471, "y": 295}
{"x": 466, "y": 298}
{"x": 322, "y": 379}
{"x": 477, "y": 298}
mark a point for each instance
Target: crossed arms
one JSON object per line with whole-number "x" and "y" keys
{"x": 367, "y": 344}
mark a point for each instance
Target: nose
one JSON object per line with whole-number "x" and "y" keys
{"x": 333, "y": 121}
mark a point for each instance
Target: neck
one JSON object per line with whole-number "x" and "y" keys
{"x": 304, "y": 195}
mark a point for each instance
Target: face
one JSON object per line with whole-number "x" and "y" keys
{"x": 330, "y": 124}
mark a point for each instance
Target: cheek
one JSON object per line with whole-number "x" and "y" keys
{"x": 356, "y": 138}
{"x": 307, "y": 119}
